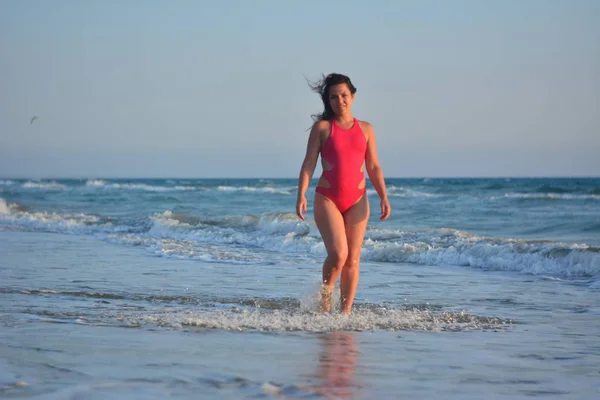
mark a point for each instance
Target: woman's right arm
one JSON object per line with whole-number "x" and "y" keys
{"x": 308, "y": 166}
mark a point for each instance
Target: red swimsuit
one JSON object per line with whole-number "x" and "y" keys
{"x": 345, "y": 151}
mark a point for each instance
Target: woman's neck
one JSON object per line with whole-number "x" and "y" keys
{"x": 344, "y": 119}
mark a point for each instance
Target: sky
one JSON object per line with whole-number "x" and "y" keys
{"x": 202, "y": 89}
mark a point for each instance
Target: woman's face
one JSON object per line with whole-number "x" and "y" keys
{"x": 340, "y": 99}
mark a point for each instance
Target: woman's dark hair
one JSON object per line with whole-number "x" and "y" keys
{"x": 322, "y": 88}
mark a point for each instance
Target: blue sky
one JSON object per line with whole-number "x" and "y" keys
{"x": 217, "y": 88}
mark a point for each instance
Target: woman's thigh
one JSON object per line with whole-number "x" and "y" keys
{"x": 355, "y": 221}
{"x": 331, "y": 225}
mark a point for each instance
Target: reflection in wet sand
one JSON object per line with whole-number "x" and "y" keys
{"x": 336, "y": 367}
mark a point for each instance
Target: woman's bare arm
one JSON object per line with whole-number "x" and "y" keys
{"x": 309, "y": 164}
{"x": 375, "y": 171}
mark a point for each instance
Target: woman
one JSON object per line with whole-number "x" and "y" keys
{"x": 341, "y": 207}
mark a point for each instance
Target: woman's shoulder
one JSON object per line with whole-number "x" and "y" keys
{"x": 322, "y": 128}
{"x": 322, "y": 124}
{"x": 366, "y": 127}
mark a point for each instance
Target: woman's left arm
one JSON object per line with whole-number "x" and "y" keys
{"x": 375, "y": 172}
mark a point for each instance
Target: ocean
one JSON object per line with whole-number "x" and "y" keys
{"x": 206, "y": 288}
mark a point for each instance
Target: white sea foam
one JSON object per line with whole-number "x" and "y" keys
{"x": 106, "y": 185}
{"x": 4, "y": 208}
{"x": 171, "y": 248}
{"x": 255, "y": 189}
{"x": 278, "y": 232}
{"x": 548, "y": 196}
{"x": 396, "y": 191}
{"x": 95, "y": 182}
{"x": 274, "y": 236}
{"x": 410, "y": 195}
{"x": 140, "y": 186}
{"x": 460, "y": 248}
{"x": 282, "y": 223}
{"x": 279, "y": 320}
{"x": 53, "y": 222}
{"x": 6, "y": 182}
{"x": 272, "y": 231}
{"x": 400, "y": 191}
{"x": 269, "y": 314}
{"x": 43, "y": 185}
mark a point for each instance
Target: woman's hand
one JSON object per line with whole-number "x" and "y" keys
{"x": 386, "y": 209}
{"x": 301, "y": 207}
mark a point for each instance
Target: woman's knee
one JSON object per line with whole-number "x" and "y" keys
{"x": 337, "y": 258}
{"x": 352, "y": 261}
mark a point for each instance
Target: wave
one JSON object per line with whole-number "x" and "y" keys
{"x": 282, "y": 233}
{"x": 401, "y": 191}
{"x": 252, "y": 189}
{"x": 94, "y": 183}
{"x": 240, "y": 240}
{"x": 289, "y": 320}
{"x": 262, "y": 314}
{"x": 14, "y": 215}
{"x": 8, "y": 208}
{"x": 106, "y": 185}
{"x": 167, "y": 223}
{"x": 453, "y": 247}
{"x": 99, "y": 184}
{"x": 547, "y": 196}
{"x": 275, "y": 237}
{"x": 4, "y": 207}
{"x": 43, "y": 185}
{"x": 360, "y": 320}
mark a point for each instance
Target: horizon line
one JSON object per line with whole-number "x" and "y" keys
{"x": 313, "y": 178}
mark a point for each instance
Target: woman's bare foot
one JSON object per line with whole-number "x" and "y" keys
{"x": 325, "y": 294}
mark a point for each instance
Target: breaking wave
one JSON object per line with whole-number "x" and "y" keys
{"x": 270, "y": 237}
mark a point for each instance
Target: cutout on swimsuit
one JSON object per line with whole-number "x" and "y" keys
{"x": 323, "y": 183}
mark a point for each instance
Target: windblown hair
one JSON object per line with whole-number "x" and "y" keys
{"x": 322, "y": 88}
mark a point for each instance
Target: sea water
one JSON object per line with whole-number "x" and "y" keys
{"x": 207, "y": 288}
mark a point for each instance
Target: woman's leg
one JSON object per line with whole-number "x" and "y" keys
{"x": 330, "y": 222}
{"x": 355, "y": 220}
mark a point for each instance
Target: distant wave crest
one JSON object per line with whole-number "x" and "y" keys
{"x": 548, "y": 196}
{"x": 255, "y": 239}
{"x": 252, "y": 189}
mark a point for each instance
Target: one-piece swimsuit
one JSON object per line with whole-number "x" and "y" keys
{"x": 345, "y": 152}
